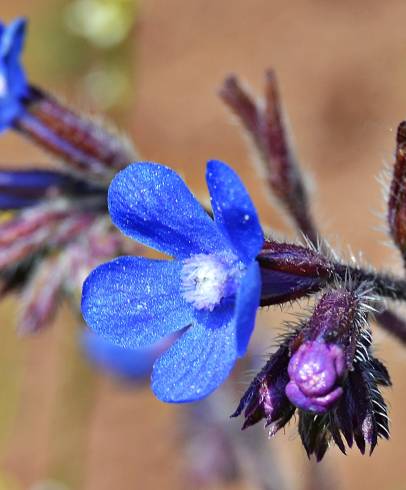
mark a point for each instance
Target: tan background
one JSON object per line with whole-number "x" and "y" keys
{"x": 342, "y": 72}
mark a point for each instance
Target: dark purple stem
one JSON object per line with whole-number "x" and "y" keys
{"x": 393, "y": 324}
{"x": 292, "y": 271}
{"x": 384, "y": 285}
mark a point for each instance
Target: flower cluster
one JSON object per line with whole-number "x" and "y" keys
{"x": 189, "y": 317}
{"x": 221, "y": 272}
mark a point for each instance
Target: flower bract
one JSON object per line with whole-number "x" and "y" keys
{"x": 326, "y": 371}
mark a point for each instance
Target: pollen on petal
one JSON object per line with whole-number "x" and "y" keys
{"x": 207, "y": 279}
{"x": 3, "y": 86}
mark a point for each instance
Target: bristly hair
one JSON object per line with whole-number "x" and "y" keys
{"x": 359, "y": 414}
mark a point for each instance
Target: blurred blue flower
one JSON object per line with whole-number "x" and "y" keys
{"x": 127, "y": 364}
{"x": 13, "y": 83}
{"x": 212, "y": 287}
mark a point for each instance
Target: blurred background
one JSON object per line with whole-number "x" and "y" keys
{"x": 154, "y": 68}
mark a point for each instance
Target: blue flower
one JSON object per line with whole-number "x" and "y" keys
{"x": 127, "y": 364}
{"x": 13, "y": 83}
{"x": 212, "y": 286}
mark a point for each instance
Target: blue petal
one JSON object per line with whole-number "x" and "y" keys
{"x": 12, "y": 76}
{"x": 151, "y": 204}
{"x": 280, "y": 286}
{"x": 196, "y": 364}
{"x": 131, "y": 364}
{"x": 234, "y": 211}
{"x": 10, "y": 109}
{"x": 12, "y": 39}
{"x": 134, "y": 301}
{"x": 247, "y": 303}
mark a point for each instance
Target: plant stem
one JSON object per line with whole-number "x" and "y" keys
{"x": 383, "y": 285}
{"x": 393, "y": 324}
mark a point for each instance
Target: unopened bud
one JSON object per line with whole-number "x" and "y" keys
{"x": 315, "y": 371}
{"x": 291, "y": 271}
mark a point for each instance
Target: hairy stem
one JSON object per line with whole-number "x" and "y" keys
{"x": 383, "y": 284}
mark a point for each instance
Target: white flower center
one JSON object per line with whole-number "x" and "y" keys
{"x": 207, "y": 279}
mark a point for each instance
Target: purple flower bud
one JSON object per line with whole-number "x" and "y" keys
{"x": 324, "y": 369}
{"x": 314, "y": 371}
{"x": 336, "y": 318}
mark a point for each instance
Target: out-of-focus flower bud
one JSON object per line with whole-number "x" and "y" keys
{"x": 85, "y": 146}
